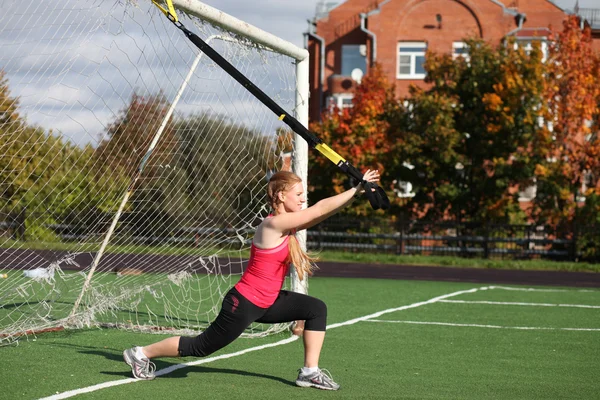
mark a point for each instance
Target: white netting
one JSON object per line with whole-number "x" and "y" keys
{"x": 84, "y": 87}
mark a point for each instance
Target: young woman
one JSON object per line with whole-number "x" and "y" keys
{"x": 258, "y": 297}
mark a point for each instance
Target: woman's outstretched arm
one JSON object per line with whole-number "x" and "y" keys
{"x": 321, "y": 210}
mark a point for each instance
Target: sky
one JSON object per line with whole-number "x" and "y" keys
{"x": 98, "y": 60}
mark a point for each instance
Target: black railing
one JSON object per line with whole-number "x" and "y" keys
{"x": 360, "y": 235}
{"x": 13, "y": 224}
{"x": 465, "y": 239}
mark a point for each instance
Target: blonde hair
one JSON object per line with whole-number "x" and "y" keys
{"x": 282, "y": 182}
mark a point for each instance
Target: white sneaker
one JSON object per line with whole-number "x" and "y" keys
{"x": 321, "y": 379}
{"x": 142, "y": 368}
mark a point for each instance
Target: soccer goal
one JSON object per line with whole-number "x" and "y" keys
{"x": 132, "y": 168}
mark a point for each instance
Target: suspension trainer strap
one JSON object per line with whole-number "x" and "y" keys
{"x": 375, "y": 194}
{"x": 292, "y": 122}
{"x": 169, "y": 11}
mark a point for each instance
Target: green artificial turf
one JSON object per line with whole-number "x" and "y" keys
{"x": 394, "y": 359}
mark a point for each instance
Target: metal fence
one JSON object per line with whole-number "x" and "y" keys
{"x": 365, "y": 235}
{"x": 452, "y": 238}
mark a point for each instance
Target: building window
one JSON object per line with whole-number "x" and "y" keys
{"x": 354, "y": 57}
{"x": 528, "y": 194}
{"x": 346, "y": 102}
{"x": 411, "y": 57}
{"x": 528, "y": 46}
{"x": 460, "y": 49}
{"x": 341, "y": 101}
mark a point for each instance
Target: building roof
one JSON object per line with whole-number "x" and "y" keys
{"x": 531, "y": 33}
{"x": 591, "y": 15}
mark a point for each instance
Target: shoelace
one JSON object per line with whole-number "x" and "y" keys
{"x": 325, "y": 376}
{"x": 150, "y": 367}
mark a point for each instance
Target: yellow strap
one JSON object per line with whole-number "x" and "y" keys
{"x": 170, "y": 11}
{"x": 329, "y": 153}
{"x": 281, "y": 117}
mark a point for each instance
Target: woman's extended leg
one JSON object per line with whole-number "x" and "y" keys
{"x": 236, "y": 314}
{"x": 291, "y": 306}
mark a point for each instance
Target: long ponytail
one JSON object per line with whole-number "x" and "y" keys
{"x": 302, "y": 262}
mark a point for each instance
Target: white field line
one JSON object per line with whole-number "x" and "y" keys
{"x": 75, "y": 392}
{"x": 520, "y": 289}
{"x": 512, "y": 303}
{"x": 414, "y": 305}
{"x": 486, "y": 326}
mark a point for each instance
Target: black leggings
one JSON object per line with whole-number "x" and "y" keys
{"x": 237, "y": 313}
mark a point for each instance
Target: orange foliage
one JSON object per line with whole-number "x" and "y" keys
{"x": 572, "y": 113}
{"x": 358, "y": 133}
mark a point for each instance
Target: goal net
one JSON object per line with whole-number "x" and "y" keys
{"x": 132, "y": 168}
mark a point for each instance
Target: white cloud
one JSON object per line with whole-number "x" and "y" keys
{"x": 77, "y": 75}
{"x": 76, "y": 78}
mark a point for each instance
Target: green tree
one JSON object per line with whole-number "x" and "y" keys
{"x": 464, "y": 142}
{"x": 12, "y": 127}
{"x": 203, "y": 168}
{"x": 53, "y": 179}
{"x": 156, "y": 204}
{"x": 225, "y": 167}
{"x": 130, "y": 135}
{"x": 8, "y": 105}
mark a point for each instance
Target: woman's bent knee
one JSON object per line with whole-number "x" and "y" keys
{"x": 318, "y": 320}
{"x": 192, "y": 347}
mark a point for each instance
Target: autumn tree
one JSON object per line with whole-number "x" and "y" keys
{"x": 129, "y": 136}
{"x": 156, "y": 200}
{"x": 225, "y": 166}
{"x": 464, "y": 141}
{"x": 40, "y": 171}
{"x": 359, "y": 134}
{"x": 569, "y": 166}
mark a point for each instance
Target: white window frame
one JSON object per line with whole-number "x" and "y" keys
{"x": 338, "y": 100}
{"x": 460, "y": 45}
{"x": 420, "y": 48}
{"x": 404, "y": 189}
{"x": 528, "y": 194}
{"x": 527, "y": 45}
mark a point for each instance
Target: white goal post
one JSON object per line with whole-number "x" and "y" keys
{"x": 300, "y": 154}
{"x": 146, "y": 164}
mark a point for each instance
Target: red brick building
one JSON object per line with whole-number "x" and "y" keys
{"x": 346, "y": 39}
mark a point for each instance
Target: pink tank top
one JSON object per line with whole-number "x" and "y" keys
{"x": 264, "y": 277}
